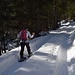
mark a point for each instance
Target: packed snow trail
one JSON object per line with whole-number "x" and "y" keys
{"x": 10, "y": 59}
{"x": 50, "y": 57}
{"x": 43, "y": 61}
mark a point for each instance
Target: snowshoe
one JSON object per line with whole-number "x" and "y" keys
{"x": 22, "y": 59}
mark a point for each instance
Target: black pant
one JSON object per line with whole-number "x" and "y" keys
{"x": 0, "y": 52}
{"x": 22, "y": 49}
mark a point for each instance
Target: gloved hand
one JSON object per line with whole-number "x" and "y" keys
{"x": 33, "y": 33}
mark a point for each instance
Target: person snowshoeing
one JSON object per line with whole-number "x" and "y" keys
{"x": 24, "y": 36}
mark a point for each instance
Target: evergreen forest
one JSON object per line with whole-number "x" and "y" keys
{"x": 36, "y": 15}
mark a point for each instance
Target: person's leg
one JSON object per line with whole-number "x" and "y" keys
{"x": 22, "y": 50}
{"x": 28, "y": 49}
{"x": 0, "y": 52}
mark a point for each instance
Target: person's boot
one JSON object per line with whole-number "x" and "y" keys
{"x": 30, "y": 55}
{"x": 24, "y": 58}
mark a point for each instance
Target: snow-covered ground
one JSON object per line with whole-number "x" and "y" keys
{"x": 54, "y": 54}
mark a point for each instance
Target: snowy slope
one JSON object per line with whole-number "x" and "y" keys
{"x": 54, "y": 54}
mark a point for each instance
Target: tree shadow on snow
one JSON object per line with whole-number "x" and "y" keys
{"x": 51, "y": 56}
{"x": 71, "y": 62}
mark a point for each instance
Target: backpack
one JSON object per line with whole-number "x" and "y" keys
{"x": 23, "y": 35}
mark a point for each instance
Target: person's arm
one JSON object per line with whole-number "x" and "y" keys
{"x": 30, "y": 36}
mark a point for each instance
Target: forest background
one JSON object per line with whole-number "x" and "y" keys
{"x": 36, "y": 15}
